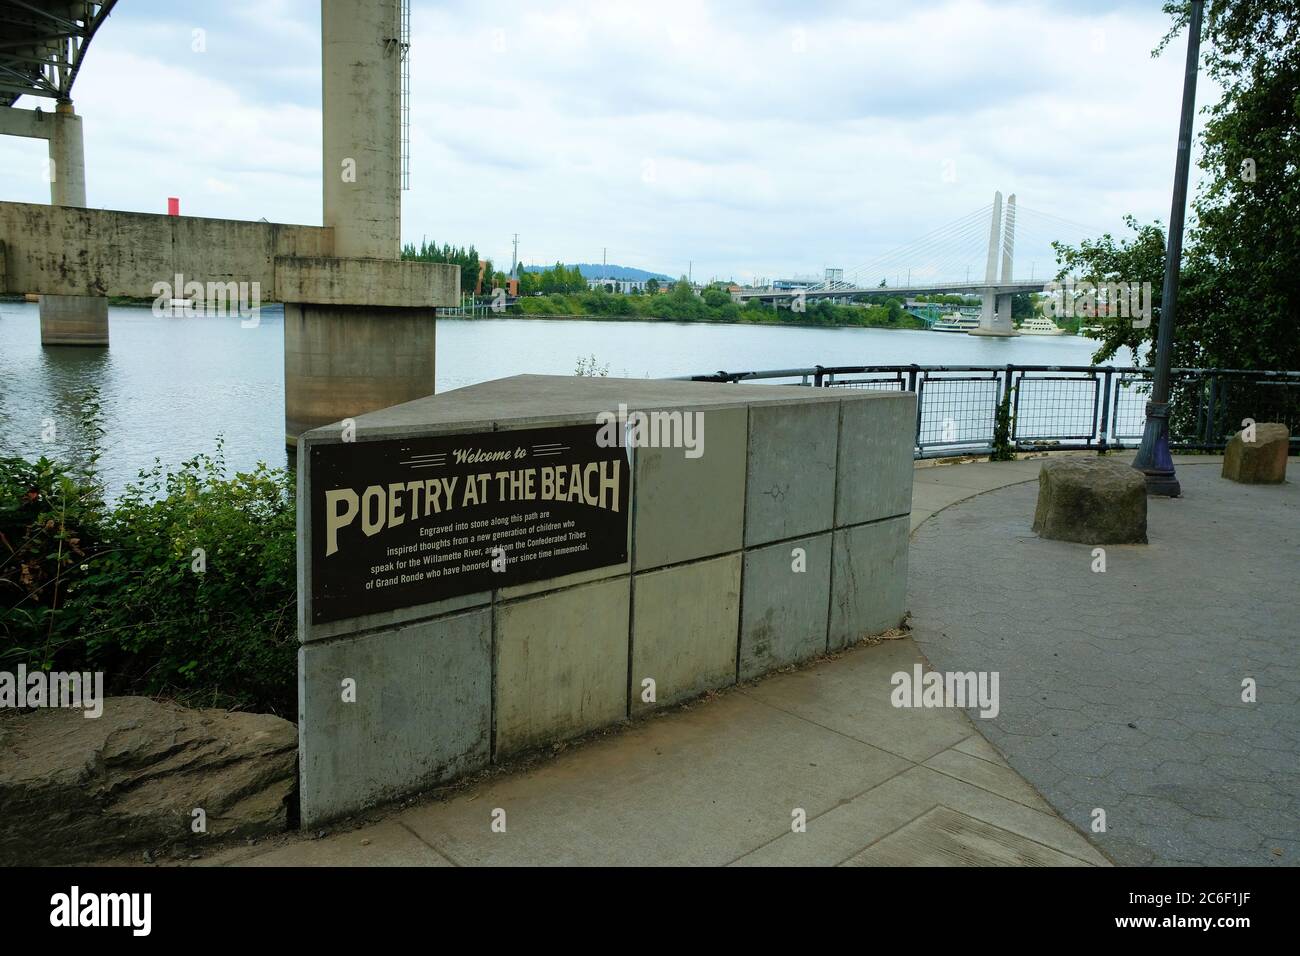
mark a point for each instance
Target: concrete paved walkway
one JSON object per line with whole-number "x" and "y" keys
{"x": 723, "y": 780}
{"x": 719, "y": 782}
{"x": 1122, "y": 691}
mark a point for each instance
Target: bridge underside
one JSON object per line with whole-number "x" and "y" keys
{"x": 44, "y": 44}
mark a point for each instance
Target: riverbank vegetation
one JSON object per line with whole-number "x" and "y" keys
{"x": 682, "y": 304}
{"x": 184, "y": 587}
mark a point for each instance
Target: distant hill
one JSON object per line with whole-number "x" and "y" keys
{"x": 597, "y": 271}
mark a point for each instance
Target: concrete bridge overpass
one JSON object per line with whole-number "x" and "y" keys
{"x": 359, "y": 323}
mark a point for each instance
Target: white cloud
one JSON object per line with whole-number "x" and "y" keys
{"x": 761, "y": 138}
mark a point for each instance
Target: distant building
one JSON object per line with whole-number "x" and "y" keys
{"x": 625, "y": 286}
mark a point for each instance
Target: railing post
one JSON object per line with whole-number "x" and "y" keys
{"x": 1105, "y": 409}
{"x": 1212, "y": 405}
{"x": 817, "y": 376}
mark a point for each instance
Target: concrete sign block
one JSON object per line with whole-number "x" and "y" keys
{"x": 797, "y": 498}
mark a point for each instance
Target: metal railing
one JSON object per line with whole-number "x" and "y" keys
{"x": 1067, "y": 407}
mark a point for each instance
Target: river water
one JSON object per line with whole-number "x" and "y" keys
{"x": 168, "y": 387}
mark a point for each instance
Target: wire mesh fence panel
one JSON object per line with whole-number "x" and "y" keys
{"x": 957, "y": 411}
{"x": 1128, "y": 412}
{"x": 1059, "y": 408}
{"x": 1189, "y": 408}
{"x": 1237, "y": 399}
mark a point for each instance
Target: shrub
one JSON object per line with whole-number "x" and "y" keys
{"x": 185, "y": 587}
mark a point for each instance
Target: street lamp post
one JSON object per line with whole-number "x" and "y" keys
{"x": 1153, "y": 458}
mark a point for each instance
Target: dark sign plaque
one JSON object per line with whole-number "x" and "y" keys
{"x": 408, "y": 521}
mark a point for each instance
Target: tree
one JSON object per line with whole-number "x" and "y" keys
{"x": 1239, "y": 292}
{"x": 716, "y": 298}
{"x": 651, "y": 286}
{"x": 1137, "y": 260}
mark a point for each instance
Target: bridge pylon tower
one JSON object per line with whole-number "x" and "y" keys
{"x": 995, "y": 311}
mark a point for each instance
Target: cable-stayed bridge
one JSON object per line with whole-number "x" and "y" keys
{"x": 973, "y": 255}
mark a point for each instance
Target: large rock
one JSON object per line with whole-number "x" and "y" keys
{"x": 73, "y": 788}
{"x": 1258, "y": 462}
{"x": 1093, "y": 500}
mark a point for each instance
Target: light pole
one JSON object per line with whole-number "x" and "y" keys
{"x": 1153, "y": 458}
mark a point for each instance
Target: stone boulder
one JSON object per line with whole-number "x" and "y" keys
{"x": 74, "y": 788}
{"x": 1092, "y": 500}
{"x": 1258, "y": 462}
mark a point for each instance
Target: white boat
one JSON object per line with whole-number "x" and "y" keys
{"x": 1039, "y": 325}
{"x": 956, "y": 322}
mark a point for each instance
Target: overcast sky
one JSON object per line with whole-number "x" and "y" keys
{"x": 762, "y": 138}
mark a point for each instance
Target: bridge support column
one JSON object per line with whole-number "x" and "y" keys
{"x": 70, "y": 319}
{"x": 341, "y": 361}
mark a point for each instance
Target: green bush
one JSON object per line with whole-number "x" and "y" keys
{"x": 184, "y": 587}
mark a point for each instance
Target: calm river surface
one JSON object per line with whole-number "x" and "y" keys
{"x": 168, "y": 387}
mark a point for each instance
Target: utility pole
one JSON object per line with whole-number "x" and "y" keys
{"x": 604, "y": 269}
{"x": 1153, "y": 458}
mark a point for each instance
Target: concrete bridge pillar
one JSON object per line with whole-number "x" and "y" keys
{"x": 341, "y": 361}
{"x": 361, "y": 61}
{"x": 70, "y": 319}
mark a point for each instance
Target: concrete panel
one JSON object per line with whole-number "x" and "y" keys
{"x": 790, "y": 488}
{"x": 690, "y": 508}
{"x": 685, "y": 629}
{"x": 783, "y": 611}
{"x": 868, "y": 580}
{"x": 344, "y": 361}
{"x": 561, "y": 664}
{"x": 875, "y": 460}
{"x": 374, "y": 282}
{"x": 422, "y": 713}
